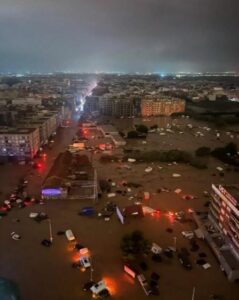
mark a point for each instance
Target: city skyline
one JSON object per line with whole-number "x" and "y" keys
{"x": 118, "y": 36}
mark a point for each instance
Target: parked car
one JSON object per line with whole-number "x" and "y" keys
{"x": 104, "y": 294}
{"x": 87, "y": 211}
{"x": 79, "y": 246}
{"x": 46, "y": 243}
{"x": 3, "y": 213}
{"x": 69, "y": 235}
{"x": 33, "y": 215}
{"x": 188, "y": 234}
{"x": 15, "y": 236}
{"x": 40, "y": 217}
{"x": 156, "y": 249}
{"x": 99, "y": 290}
{"x": 88, "y": 285}
{"x": 85, "y": 262}
{"x": 184, "y": 260}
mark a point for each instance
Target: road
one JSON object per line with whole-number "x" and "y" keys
{"x": 37, "y": 176}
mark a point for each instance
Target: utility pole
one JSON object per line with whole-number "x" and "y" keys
{"x": 50, "y": 230}
{"x": 91, "y": 270}
{"x": 193, "y": 294}
{"x": 95, "y": 197}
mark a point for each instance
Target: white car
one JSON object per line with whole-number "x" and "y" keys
{"x": 69, "y": 235}
{"x": 156, "y": 249}
{"x": 188, "y": 234}
{"x": 33, "y": 215}
{"x": 98, "y": 287}
{"x": 85, "y": 262}
{"x": 15, "y": 236}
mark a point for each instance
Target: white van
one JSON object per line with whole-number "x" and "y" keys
{"x": 156, "y": 249}
{"x": 69, "y": 235}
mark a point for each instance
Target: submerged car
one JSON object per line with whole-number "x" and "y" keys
{"x": 85, "y": 262}
{"x": 15, "y": 236}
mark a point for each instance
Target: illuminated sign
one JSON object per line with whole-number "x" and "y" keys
{"x": 51, "y": 192}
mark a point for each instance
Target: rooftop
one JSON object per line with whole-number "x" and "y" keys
{"x": 230, "y": 258}
{"x": 10, "y": 130}
{"x": 233, "y": 190}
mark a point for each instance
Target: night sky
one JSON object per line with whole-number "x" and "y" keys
{"x": 119, "y": 35}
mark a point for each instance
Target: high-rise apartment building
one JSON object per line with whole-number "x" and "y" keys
{"x": 224, "y": 212}
{"x": 21, "y": 143}
{"x": 156, "y": 106}
{"x": 224, "y": 216}
{"x": 119, "y": 106}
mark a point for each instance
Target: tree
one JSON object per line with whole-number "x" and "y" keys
{"x": 142, "y": 128}
{"x": 155, "y": 126}
{"x": 231, "y": 148}
{"x": 203, "y": 151}
{"x": 134, "y": 243}
{"x": 198, "y": 163}
{"x": 132, "y": 134}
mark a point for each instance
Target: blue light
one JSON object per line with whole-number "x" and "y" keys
{"x": 51, "y": 192}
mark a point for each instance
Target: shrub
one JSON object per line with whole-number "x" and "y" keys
{"x": 132, "y": 134}
{"x": 200, "y": 164}
{"x": 155, "y": 126}
{"x": 231, "y": 148}
{"x": 203, "y": 151}
{"x": 142, "y": 128}
{"x": 134, "y": 243}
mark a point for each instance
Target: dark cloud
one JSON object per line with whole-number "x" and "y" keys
{"x": 119, "y": 35}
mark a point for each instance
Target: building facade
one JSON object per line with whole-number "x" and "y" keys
{"x": 151, "y": 106}
{"x": 224, "y": 216}
{"x": 118, "y": 106}
{"x": 21, "y": 143}
{"x": 91, "y": 104}
{"x": 224, "y": 212}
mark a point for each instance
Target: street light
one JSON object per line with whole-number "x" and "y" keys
{"x": 193, "y": 294}
{"x": 91, "y": 270}
{"x": 50, "y": 230}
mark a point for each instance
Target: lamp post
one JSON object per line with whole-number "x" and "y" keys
{"x": 193, "y": 294}
{"x": 175, "y": 242}
{"x": 50, "y": 230}
{"x": 91, "y": 270}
